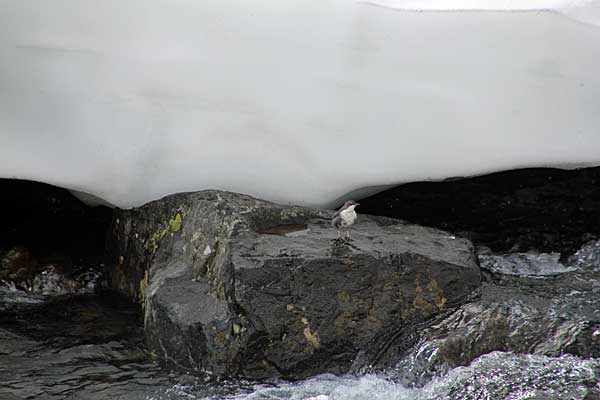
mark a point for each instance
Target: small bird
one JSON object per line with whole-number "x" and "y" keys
{"x": 344, "y": 218}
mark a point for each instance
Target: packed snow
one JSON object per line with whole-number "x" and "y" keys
{"x": 293, "y": 101}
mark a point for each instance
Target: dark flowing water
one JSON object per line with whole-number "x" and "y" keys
{"x": 84, "y": 347}
{"x": 91, "y": 347}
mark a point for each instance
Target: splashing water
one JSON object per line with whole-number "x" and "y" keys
{"x": 497, "y": 375}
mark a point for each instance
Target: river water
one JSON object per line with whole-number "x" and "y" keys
{"x": 91, "y": 347}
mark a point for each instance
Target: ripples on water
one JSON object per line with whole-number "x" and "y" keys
{"x": 83, "y": 347}
{"x": 90, "y": 347}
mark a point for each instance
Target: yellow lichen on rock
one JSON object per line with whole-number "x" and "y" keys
{"x": 429, "y": 299}
{"x": 420, "y": 303}
{"x": 438, "y": 294}
{"x": 312, "y": 338}
{"x": 175, "y": 223}
{"x": 343, "y": 297}
{"x": 172, "y": 226}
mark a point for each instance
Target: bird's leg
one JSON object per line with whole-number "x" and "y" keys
{"x": 339, "y": 234}
{"x": 347, "y": 234}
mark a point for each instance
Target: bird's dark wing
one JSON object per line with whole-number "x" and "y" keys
{"x": 336, "y": 221}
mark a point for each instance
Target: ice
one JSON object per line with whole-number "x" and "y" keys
{"x": 587, "y": 11}
{"x": 293, "y": 101}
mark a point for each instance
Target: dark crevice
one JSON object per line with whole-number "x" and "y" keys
{"x": 45, "y": 225}
{"x": 542, "y": 209}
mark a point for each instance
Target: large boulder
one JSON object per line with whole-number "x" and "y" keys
{"x": 238, "y": 286}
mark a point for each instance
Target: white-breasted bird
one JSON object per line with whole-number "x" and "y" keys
{"x": 344, "y": 218}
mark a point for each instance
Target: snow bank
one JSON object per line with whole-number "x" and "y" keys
{"x": 292, "y": 101}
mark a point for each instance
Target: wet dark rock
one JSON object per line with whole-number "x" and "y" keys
{"x": 239, "y": 286}
{"x": 51, "y": 281}
{"x": 546, "y": 315}
{"x": 17, "y": 265}
{"x": 20, "y": 272}
{"x": 47, "y": 232}
{"x": 524, "y": 264}
{"x": 501, "y": 375}
{"x": 540, "y": 209}
{"x": 587, "y": 258}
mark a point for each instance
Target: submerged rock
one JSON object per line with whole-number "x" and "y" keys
{"x": 524, "y": 264}
{"x": 239, "y": 286}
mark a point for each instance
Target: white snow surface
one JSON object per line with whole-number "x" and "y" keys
{"x": 292, "y": 101}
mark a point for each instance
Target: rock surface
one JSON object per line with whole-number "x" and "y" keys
{"x": 508, "y": 376}
{"x": 238, "y": 286}
{"x": 547, "y": 315}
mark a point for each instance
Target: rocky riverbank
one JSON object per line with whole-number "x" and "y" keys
{"x": 233, "y": 286}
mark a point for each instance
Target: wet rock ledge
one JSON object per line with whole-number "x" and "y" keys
{"x": 233, "y": 285}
